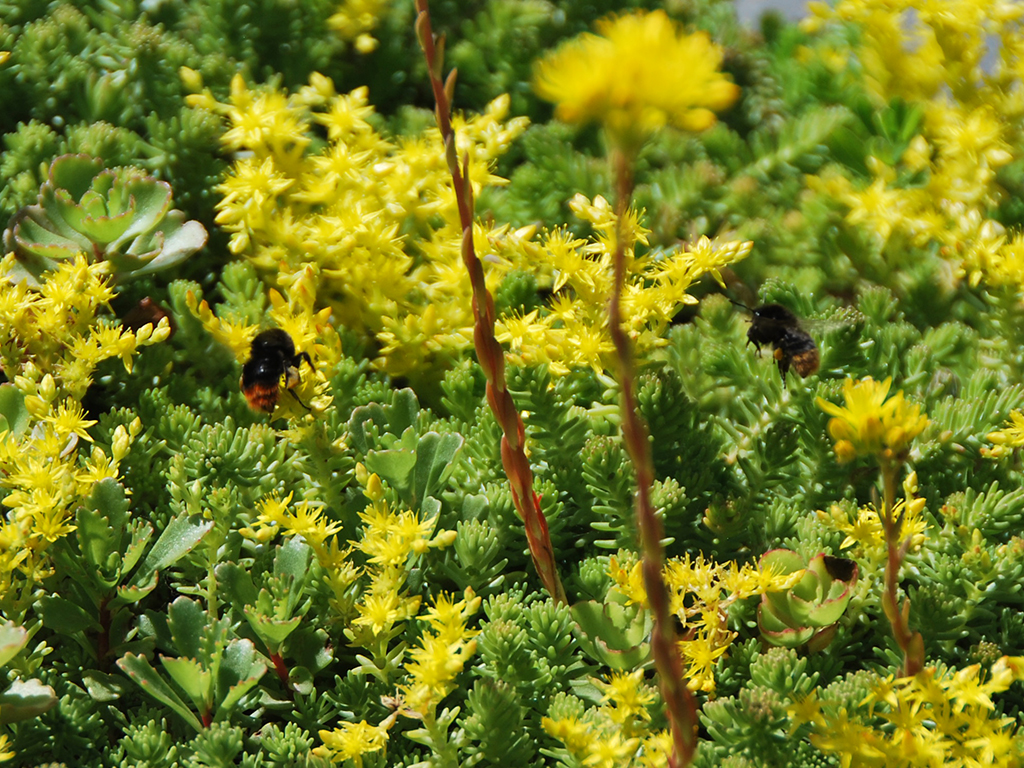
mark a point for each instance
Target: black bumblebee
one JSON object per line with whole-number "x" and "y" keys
{"x": 794, "y": 348}
{"x": 271, "y": 356}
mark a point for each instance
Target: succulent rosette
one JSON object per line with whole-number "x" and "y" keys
{"x": 808, "y": 613}
{"x": 117, "y": 215}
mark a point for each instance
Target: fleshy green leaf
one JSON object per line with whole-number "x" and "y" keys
{"x": 14, "y": 417}
{"x": 141, "y": 671}
{"x": 64, "y": 616}
{"x": 12, "y": 640}
{"x": 179, "y": 537}
{"x": 24, "y": 700}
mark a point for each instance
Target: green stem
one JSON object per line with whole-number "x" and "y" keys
{"x": 444, "y": 750}
{"x": 911, "y": 643}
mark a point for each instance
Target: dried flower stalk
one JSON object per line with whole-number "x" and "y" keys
{"x": 680, "y": 707}
{"x": 488, "y": 350}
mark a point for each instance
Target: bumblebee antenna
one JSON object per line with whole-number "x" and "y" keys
{"x": 738, "y": 304}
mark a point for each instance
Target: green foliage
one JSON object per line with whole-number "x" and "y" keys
{"x": 495, "y": 726}
{"x": 213, "y": 670}
{"x": 105, "y": 84}
{"x": 170, "y": 629}
{"x": 111, "y": 565}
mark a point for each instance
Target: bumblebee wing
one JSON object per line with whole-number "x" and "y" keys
{"x": 831, "y": 320}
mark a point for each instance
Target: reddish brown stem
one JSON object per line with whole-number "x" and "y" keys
{"x": 488, "y": 350}
{"x": 679, "y": 703}
{"x": 280, "y": 667}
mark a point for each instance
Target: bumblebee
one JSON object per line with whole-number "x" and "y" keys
{"x": 794, "y": 348}
{"x": 271, "y": 356}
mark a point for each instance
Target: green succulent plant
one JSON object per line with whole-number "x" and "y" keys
{"x": 809, "y": 612}
{"x": 118, "y": 215}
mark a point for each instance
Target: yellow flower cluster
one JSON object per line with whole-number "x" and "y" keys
{"x": 51, "y": 341}
{"x": 388, "y": 540}
{"x": 356, "y": 19}
{"x": 377, "y": 219}
{"x": 572, "y": 331}
{"x": 935, "y": 718}
{"x": 870, "y": 424}
{"x": 641, "y": 73}
{"x": 58, "y": 330}
{"x": 866, "y": 531}
{"x": 275, "y": 516}
{"x": 371, "y": 601}
{"x": 377, "y": 223}
{"x": 437, "y": 659}
{"x": 972, "y": 118}
{"x": 700, "y": 592}
{"x": 616, "y": 733}
{"x": 45, "y": 479}
{"x": 440, "y": 655}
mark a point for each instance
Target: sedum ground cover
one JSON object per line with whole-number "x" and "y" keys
{"x": 533, "y": 499}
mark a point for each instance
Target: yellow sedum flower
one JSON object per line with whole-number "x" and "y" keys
{"x": 640, "y": 73}
{"x": 60, "y": 329}
{"x": 865, "y": 531}
{"x": 306, "y": 521}
{"x": 51, "y": 340}
{"x": 351, "y": 741}
{"x": 377, "y": 219}
{"x": 617, "y": 733}
{"x": 375, "y": 223}
{"x": 939, "y": 717}
{"x": 700, "y": 592}
{"x": 958, "y": 62}
{"x": 6, "y": 752}
{"x": 355, "y": 19}
{"x": 573, "y": 332}
{"x": 440, "y": 655}
{"x": 1008, "y": 438}
{"x": 627, "y": 696}
{"x": 871, "y": 423}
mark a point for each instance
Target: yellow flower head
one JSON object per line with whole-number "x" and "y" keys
{"x": 1009, "y": 437}
{"x": 353, "y": 740}
{"x": 626, "y": 696}
{"x": 641, "y": 73}
{"x": 871, "y": 425}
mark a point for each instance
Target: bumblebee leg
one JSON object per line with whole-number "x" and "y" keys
{"x": 783, "y": 362}
{"x": 293, "y": 377}
{"x": 297, "y": 400}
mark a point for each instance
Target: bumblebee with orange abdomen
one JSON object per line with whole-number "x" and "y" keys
{"x": 794, "y": 348}
{"x": 271, "y": 357}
